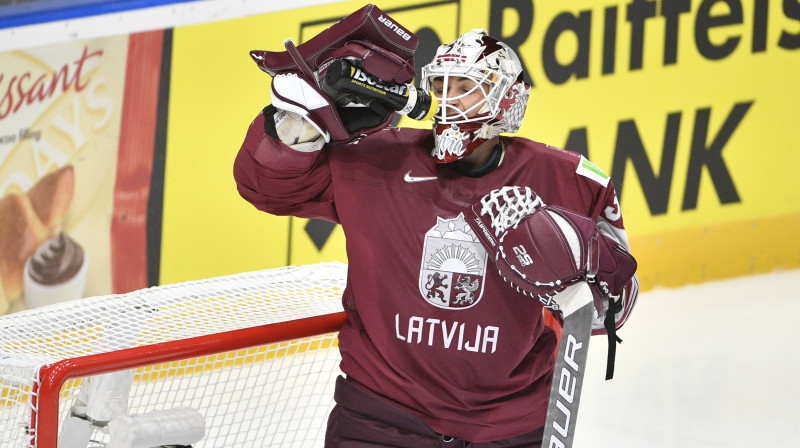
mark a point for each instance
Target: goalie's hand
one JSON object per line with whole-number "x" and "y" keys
{"x": 293, "y": 93}
{"x": 294, "y": 130}
{"x": 540, "y": 249}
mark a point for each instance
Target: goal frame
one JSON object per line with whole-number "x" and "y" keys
{"x": 45, "y": 397}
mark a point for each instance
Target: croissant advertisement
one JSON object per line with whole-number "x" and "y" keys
{"x": 59, "y": 128}
{"x": 77, "y": 142}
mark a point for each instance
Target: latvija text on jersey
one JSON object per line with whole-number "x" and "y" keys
{"x": 450, "y": 335}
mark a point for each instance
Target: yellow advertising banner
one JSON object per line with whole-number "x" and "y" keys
{"x": 690, "y": 107}
{"x": 60, "y": 113}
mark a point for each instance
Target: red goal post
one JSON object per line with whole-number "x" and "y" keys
{"x": 253, "y": 356}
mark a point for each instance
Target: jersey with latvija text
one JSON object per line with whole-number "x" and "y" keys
{"x": 431, "y": 325}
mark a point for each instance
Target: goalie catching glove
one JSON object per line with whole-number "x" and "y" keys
{"x": 540, "y": 250}
{"x": 368, "y": 39}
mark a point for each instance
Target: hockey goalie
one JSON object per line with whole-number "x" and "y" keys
{"x": 459, "y": 237}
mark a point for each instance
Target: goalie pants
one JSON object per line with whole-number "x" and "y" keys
{"x": 361, "y": 420}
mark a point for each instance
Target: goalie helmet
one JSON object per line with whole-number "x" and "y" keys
{"x": 496, "y": 72}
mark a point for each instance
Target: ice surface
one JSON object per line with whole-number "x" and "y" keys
{"x": 709, "y": 365}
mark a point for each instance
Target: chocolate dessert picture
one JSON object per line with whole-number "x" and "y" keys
{"x": 56, "y": 272}
{"x": 26, "y": 222}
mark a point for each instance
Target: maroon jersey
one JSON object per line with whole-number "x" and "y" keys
{"x": 431, "y": 325}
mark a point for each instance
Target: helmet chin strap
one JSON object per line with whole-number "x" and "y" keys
{"x": 488, "y": 131}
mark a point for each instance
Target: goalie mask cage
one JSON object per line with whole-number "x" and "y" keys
{"x": 255, "y": 354}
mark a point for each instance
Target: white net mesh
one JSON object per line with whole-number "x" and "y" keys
{"x": 270, "y": 394}
{"x": 507, "y": 206}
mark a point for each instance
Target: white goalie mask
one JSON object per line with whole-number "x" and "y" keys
{"x": 493, "y": 69}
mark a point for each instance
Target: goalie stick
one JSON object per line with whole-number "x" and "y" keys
{"x": 577, "y": 308}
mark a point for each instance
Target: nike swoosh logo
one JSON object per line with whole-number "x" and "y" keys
{"x": 409, "y": 178}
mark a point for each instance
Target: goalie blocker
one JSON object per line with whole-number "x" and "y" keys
{"x": 368, "y": 39}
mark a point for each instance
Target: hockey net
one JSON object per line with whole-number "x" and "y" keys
{"x": 235, "y": 361}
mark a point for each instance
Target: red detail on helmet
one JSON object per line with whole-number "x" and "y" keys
{"x": 455, "y": 141}
{"x": 451, "y": 58}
